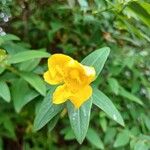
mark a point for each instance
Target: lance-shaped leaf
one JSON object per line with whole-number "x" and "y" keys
{"x": 104, "y": 103}
{"x": 94, "y": 138}
{"x": 22, "y": 97}
{"x": 4, "y": 91}
{"x": 47, "y": 110}
{"x": 79, "y": 119}
{"x": 129, "y": 96}
{"x": 97, "y": 59}
{"x": 27, "y": 55}
{"x": 35, "y": 81}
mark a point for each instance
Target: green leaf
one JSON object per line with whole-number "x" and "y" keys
{"x": 97, "y": 59}
{"x": 27, "y": 55}
{"x": 3, "y": 55}
{"x": 29, "y": 65}
{"x": 56, "y": 26}
{"x": 144, "y": 137}
{"x": 93, "y": 137}
{"x": 104, "y": 103}
{"x": 103, "y": 123}
{"x": 147, "y": 122}
{"x": 113, "y": 83}
{"x": 129, "y": 96}
{"x": 140, "y": 145}
{"x": 69, "y": 135}
{"x": 2, "y": 70}
{"x": 14, "y": 48}
{"x": 9, "y": 126}
{"x": 4, "y": 91}
{"x": 122, "y": 138}
{"x": 35, "y": 81}
{"x": 53, "y": 123}
{"x": 110, "y": 135}
{"x": 140, "y": 12}
{"x": 146, "y": 6}
{"x": 134, "y": 31}
{"x": 79, "y": 119}
{"x": 23, "y": 96}
{"x": 46, "y": 112}
{"x": 10, "y": 37}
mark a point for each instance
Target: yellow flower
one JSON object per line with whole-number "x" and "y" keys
{"x": 73, "y": 77}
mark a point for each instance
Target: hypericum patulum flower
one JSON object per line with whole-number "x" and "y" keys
{"x": 73, "y": 78}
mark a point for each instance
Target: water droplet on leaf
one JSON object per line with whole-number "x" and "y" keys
{"x": 114, "y": 117}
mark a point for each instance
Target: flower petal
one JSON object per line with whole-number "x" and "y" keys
{"x": 61, "y": 94}
{"x": 81, "y": 96}
{"x": 58, "y": 60}
{"x": 90, "y": 73}
{"x": 52, "y": 80}
{"x": 75, "y": 76}
{"x": 56, "y": 66}
{"x": 78, "y": 75}
{"x": 74, "y": 72}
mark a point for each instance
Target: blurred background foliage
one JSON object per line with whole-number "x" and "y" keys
{"x": 76, "y": 28}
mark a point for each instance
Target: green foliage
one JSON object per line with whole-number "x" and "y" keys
{"x": 104, "y": 103}
{"x": 22, "y": 97}
{"x": 79, "y": 119}
{"x": 35, "y": 81}
{"x": 46, "y": 112}
{"x": 122, "y": 138}
{"x": 94, "y": 138}
{"x": 84, "y": 30}
{"x": 27, "y": 55}
{"x": 4, "y": 91}
{"x": 97, "y": 59}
